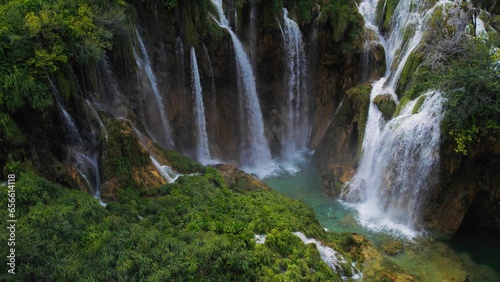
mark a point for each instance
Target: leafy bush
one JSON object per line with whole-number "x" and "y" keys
{"x": 472, "y": 82}
{"x": 346, "y": 23}
{"x": 181, "y": 163}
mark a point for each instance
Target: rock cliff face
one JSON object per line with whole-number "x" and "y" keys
{"x": 468, "y": 193}
{"x": 340, "y": 149}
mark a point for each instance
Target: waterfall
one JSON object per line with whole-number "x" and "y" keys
{"x": 203, "y": 152}
{"x": 155, "y": 115}
{"x": 393, "y": 185}
{"x": 398, "y": 157}
{"x": 82, "y": 154}
{"x": 70, "y": 130}
{"x": 166, "y": 172}
{"x": 332, "y": 258}
{"x": 255, "y": 155}
{"x": 298, "y": 127}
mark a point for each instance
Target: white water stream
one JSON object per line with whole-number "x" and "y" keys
{"x": 255, "y": 155}
{"x": 203, "y": 152}
{"x": 298, "y": 129}
{"x": 156, "y": 117}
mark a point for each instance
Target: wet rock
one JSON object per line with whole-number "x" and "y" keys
{"x": 468, "y": 193}
{"x": 386, "y": 105}
{"x": 340, "y": 149}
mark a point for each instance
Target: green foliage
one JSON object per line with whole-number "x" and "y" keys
{"x": 123, "y": 155}
{"x": 467, "y": 71}
{"x": 41, "y": 39}
{"x": 465, "y": 138}
{"x": 170, "y": 4}
{"x": 473, "y": 84}
{"x": 181, "y": 163}
{"x": 301, "y": 9}
{"x": 17, "y": 89}
{"x": 9, "y": 132}
{"x": 346, "y": 23}
{"x": 195, "y": 231}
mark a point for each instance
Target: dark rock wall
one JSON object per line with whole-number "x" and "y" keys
{"x": 468, "y": 192}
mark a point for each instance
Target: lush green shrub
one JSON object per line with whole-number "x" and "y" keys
{"x": 472, "y": 83}
{"x": 123, "y": 154}
{"x": 181, "y": 163}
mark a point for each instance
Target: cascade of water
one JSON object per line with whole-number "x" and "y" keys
{"x": 203, "y": 152}
{"x": 255, "y": 153}
{"x": 332, "y": 258}
{"x": 298, "y": 127}
{"x": 392, "y": 186}
{"x": 156, "y": 117}
{"x": 393, "y": 174}
{"x": 71, "y": 131}
{"x": 97, "y": 118}
{"x": 82, "y": 155}
{"x": 167, "y": 172}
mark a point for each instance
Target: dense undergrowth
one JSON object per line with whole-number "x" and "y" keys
{"x": 195, "y": 229}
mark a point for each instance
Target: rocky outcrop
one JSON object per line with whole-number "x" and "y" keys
{"x": 238, "y": 180}
{"x": 126, "y": 162}
{"x": 386, "y": 105}
{"x": 340, "y": 149}
{"x": 468, "y": 192}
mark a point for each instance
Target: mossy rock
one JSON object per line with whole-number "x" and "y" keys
{"x": 418, "y": 105}
{"x": 181, "y": 163}
{"x": 66, "y": 83}
{"x": 126, "y": 164}
{"x": 406, "y": 77}
{"x": 359, "y": 97}
{"x": 385, "y": 10}
{"x": 386, "y": 105}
